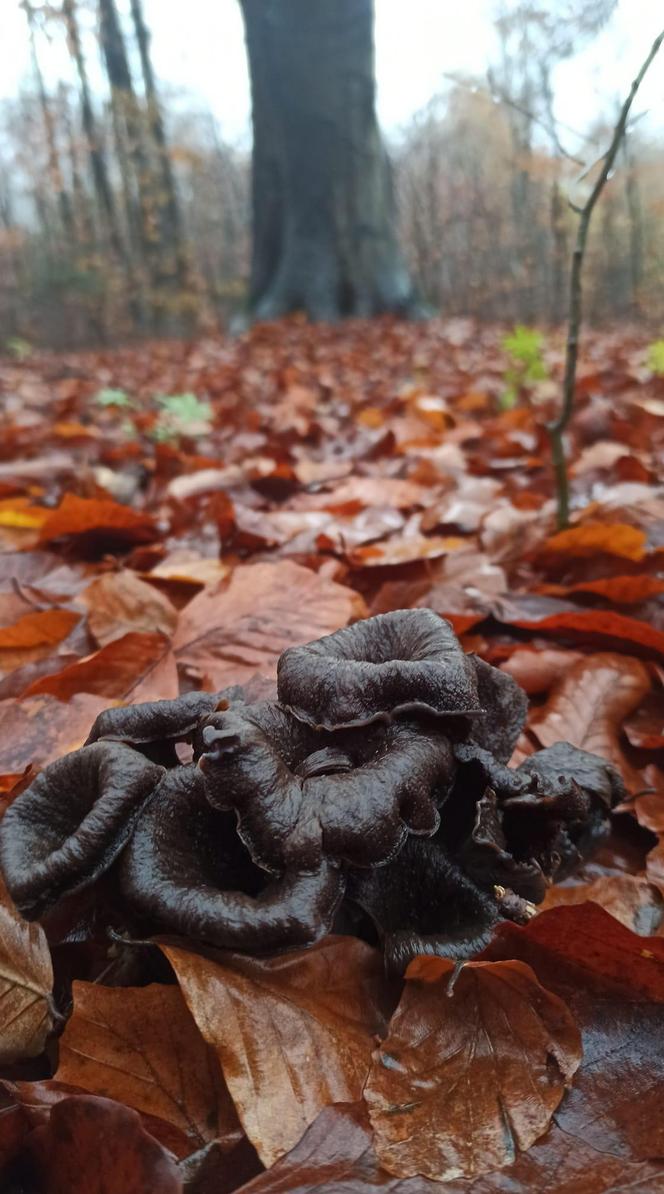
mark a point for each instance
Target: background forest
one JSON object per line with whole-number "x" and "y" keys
{"x": 123, "y": 213}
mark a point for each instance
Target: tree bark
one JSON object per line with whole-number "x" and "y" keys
{"x": 324, "y": 238}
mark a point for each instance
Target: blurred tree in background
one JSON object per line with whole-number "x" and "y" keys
{"x": 122, "y": 214}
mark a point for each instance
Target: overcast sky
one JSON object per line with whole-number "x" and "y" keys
{"x": 198, "y": 50}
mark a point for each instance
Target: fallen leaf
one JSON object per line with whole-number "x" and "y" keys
{"x": 616, "y": 539}
{"x": 134, "y": 668}
{"x": 597, "y": 627}
{"x": 537, "y": 671}
{"x": 96, "y": 1146}
{"x": 645, "y": 727}
{"x": 119, "y": 603}
{"x": 42, "y": 629}
{"x": 292, "y": 1033}
{"x": 467, "y": 1078}
{"x": 40, "y": 729}
{"x": 104, "y": 520}
{"x": 26, "y": 980}
{"x": 140, "y": 1046}
{"x": 404, "y": 551}
{"x": 588, "y": 706}
{"x": 629, "y": 898}
{"x": 230, "y": 632}
{"x": 623, "y": 590}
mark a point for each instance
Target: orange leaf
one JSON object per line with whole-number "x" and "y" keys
{"x": 467, "y": 1077}
{"x": 624, "y": 590}
{"x": 43, "y": 629}
{"x": 616, "y": 539}
{"x": 601, "y": 627}
{"x": 18, "y": 512}
{"x": 84, "y": 516}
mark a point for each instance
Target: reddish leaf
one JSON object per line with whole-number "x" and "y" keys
{"x": 134, "y": 668}
{"x": 292, "y": 1033}
{"x": 77, "y": 516}
{"x": 629, "y": 898}
{"x": 404, "y": 551}
{"x": 140, "y": 1045}
{"x": 645, "y": 727}
{"x": 230, "y": 632}
{"x": 600, "y": 628}
{"x": 465, "y": 1079}
{"x": 41, "y": 729}
{"x": 537, "y": 671}
{"x": 623, "y": 590}
{"x": 96, "y": 1146}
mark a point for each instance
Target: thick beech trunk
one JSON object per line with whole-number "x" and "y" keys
{"x": 323, "y": 208}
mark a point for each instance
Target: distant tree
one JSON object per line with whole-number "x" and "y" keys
{"x": 324, "y": 238}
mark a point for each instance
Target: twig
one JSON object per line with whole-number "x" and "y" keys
{"x": 557, "y": 429}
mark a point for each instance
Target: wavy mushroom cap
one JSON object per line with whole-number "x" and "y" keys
{"x": 186, "y": 871}
{"x": 409, "y": 661}
{"x": 300, "y": 796}
{"x": 69, "y": 826}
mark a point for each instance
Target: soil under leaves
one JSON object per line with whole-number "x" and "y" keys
{"x": 319, "y": 475}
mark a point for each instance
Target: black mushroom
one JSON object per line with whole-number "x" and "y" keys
{"x": 374, "y": 793}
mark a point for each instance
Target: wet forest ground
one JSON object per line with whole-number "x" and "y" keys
{"x": 172, "y": 516}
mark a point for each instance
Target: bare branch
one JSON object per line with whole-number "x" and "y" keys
{"x": 558, "y": 427}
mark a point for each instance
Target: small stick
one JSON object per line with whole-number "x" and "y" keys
{"x": 557, "y": 429}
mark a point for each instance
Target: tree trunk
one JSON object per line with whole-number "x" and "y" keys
{"x": 98, "y": 165}
{"x": 169, "y": 212}
{"x": 324, "y": 239}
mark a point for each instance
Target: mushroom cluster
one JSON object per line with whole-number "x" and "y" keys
{"x": 372, "y": 796}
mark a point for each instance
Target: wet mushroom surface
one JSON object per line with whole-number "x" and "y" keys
{"x": 374, "y": 794}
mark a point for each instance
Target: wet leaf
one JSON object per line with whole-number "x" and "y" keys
{"x": 140, "y": 1046}
{"x": 90, "y": 1143}
{"x": 468, "y": 1076}
{"x": 292, "y": 1033}
{"x": 629, "y": 898}
{"x": 26, "y": 980}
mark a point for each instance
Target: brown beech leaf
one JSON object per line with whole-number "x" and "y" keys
{"x": 645, "y": 727}
{"x": 42, "y": 629}
{"x": 590, "y": 703}
{"x": 134, "y": 668}
{"x": 37, "y": 1099}
{"x": 537, "y": 671}
{"x": 612, "y": 980}
{"x": 467, "y": 1078}
{"x": 336, "y": 1156}
{"x": 95, "y": 1146}
{"x": 616, "y": 539}
{"x": 120, "y": 602}
{"x": 630, "y": 898}
{"x": 26, "y": 980}
{"x": 140, "y": 1045}
{"x": 292, "y": 1033}
{"x": 101, "y": 520}
{"x": 40, "y": 729}
{"x": 233, "y": 630}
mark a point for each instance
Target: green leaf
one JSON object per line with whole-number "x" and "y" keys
{"x": 110, "y": 397}
{"x": 655, "y": 357}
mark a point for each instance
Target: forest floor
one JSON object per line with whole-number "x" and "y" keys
{"x": 172, "y": 516}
